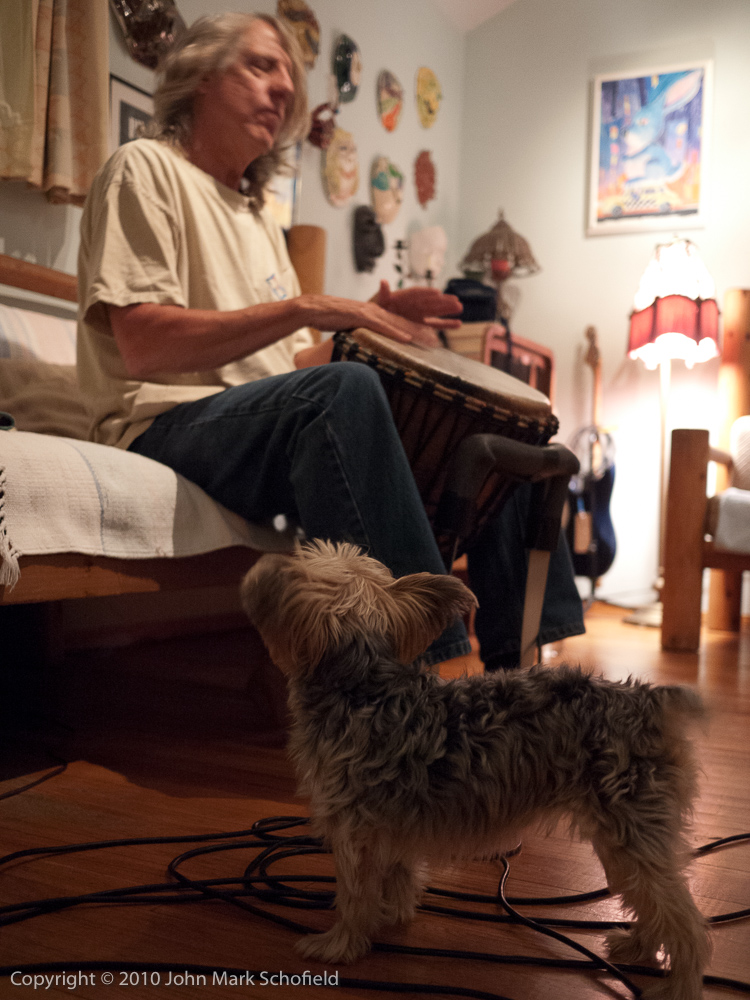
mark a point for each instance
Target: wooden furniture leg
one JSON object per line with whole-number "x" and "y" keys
{"x": 683, "y": 548}
{"x": 724, "y": 601}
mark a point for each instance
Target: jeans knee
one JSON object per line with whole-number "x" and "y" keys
{"x": 351, "y": 381}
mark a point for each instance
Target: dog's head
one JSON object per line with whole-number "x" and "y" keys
{"x": 322, "y": 597}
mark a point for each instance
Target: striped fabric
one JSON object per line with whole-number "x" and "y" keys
{"x": 27, "y": 334}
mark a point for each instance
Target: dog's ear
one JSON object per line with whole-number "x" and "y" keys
{"x": 263, "y": 599}
{"x": 296, "y": 614}
{"x": 424, "y": 605}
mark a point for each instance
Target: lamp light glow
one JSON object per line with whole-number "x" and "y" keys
{"x": 675, "y": 313}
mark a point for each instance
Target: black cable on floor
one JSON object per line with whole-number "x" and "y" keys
{"x": 274, "y": 843}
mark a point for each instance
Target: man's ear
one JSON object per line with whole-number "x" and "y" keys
{"x": 202, "y": 86}
{"x": 424, "y": 605}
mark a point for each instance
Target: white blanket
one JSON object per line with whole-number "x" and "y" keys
{"x": 732, "y": 531}
{"x": 63, "y": 495}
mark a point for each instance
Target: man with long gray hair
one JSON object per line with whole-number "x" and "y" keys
{"x": 194, "y": 346}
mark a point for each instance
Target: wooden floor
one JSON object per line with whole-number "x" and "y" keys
{"x": 160, "y": 742}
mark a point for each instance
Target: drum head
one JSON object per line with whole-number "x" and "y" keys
{"x": 459, "y": 374}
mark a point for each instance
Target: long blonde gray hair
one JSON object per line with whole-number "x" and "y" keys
{"x": 211, "y": 45}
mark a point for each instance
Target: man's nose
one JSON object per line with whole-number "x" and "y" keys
{"x": 282, "y": 83}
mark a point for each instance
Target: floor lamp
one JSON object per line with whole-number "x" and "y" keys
{"x": 675, "y": 316}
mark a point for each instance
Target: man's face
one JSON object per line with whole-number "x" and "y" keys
{"x": 248, "y": 102}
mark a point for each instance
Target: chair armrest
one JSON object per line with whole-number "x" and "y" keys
{"x": 722, "y": 457}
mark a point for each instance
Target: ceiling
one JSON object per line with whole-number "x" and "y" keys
{"x": 469, "y": 14}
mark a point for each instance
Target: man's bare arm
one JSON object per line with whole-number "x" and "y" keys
{"x": 155, "y": 338}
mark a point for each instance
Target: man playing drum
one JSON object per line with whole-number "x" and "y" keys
{"x": 193, "y": 340}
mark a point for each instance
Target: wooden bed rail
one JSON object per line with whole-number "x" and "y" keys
{"x": 35, "y": 278}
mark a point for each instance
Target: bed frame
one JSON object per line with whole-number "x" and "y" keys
{"x": 62, "y": 577}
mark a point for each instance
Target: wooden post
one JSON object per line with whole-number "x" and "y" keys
{"x": 683, "y": 548}
{"x": 725, "y": 589}
{"x": 307, "y": 252}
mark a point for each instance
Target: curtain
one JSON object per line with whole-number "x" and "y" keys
{"x": 54, "y": 80}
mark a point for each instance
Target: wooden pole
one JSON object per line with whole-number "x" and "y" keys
{"x": 307, "y": 252}
{"x": 683, "y": 544}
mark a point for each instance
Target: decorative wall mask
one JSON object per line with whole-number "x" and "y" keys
{"x": 427, "y": 249}
{"x": 304, "y": 25}
{"x": 150, "y": 27}
{"x": 341, "y": 168}
{"x": 322, "y": 126}
{"x": 429, "y": 96}
{"x": 387, "y": 184}
{"x": 425, "y": 179}
{"x": 390, "y": 100}
{"x": 347, "y": 68}
{"x": 369, "y": 242}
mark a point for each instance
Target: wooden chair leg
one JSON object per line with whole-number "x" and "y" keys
{"x": 683, "y": 546}
{"x": 725, "y": 601}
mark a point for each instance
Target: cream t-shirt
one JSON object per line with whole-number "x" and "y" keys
{"x": 156, "y": 228}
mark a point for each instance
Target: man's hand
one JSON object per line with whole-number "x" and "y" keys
{"x": 330, "y": 313}
{"x": 425, "y": 306}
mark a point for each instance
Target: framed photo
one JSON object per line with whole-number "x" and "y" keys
{"x": 650, "y": 141}
{"x": 283, "y": 191}
{"x": 130, "y": 109}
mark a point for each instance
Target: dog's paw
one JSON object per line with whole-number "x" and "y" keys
{"x": 400, "y": 903}
{"x": 336, "y": 945}
{"x": 625, "y": 948}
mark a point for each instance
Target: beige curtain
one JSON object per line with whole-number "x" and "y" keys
{"x": 54, "y": 82}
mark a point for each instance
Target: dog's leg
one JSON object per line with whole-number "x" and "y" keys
{"x": 654, "y": 888}
{"x": 402, "y": 888}
{"x": 359, "y": 907}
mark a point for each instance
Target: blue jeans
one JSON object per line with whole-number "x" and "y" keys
{"x": 319, "y": 445}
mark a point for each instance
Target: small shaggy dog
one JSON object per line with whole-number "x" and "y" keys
{"x": 403, "y": 768}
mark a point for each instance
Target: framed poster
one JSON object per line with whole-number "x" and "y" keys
{"x": 650, "y": 141}
{"x": 130, "y": 109}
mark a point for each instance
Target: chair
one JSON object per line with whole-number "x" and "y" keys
{"x": 692, "y": 542}
{"x": 704, "y": 533}
{"x": 530, "y": 362}
{"x": 697, "y": 536}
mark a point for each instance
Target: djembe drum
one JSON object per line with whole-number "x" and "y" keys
{"x": 438, "y": 399}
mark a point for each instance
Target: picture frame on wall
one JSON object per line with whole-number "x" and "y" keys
{"x": 650, "y": 149}
{"x": 130, "y": 109}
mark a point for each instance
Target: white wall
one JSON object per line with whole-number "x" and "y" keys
{"x": 391, "y": 35}
{"x": 525, "y": 149}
